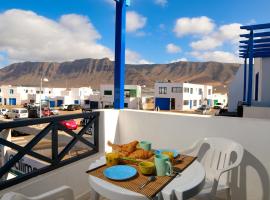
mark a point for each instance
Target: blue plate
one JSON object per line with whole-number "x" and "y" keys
{"x": 120, "y": 172}
{"x": 175, "y": 152}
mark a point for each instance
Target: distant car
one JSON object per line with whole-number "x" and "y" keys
{"x": 63, "y": 107}
{"x": 73, "y": 107}
{"x": 54, "y": 112}
{"x": 70, "y": 124}
{"x": 3, "y": 111}
{"x": 33, "y": 112}
{"x": 203, "y": 109}
{"x": 17, "y": 113}
{"x": 218, "y": 106}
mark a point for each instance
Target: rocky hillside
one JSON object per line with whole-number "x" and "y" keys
{"x": 94, "y": 72}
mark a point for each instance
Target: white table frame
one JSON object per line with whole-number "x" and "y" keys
{"x": 185, "y": 186}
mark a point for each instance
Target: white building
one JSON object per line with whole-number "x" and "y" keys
{"x": 13, "y": 95}
{"x": 260, "y": 87}
{"x": 221, "y": 98}
{"x": 105, "y": 98}
{"x": 18, "y": 95}
{"x": 182, "y": 96}
{"x": 260, "y": 104}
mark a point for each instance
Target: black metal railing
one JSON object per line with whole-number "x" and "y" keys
{"x": 58, "y": 158}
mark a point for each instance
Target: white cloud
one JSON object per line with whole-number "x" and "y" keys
{"x": 218, "y": 56}
{"x": 172, "y": 48}
{"x": 135, "y": 21}
{"x": 133, "y": 57}
{"x": 27, "y": 36}
{"x": 161, "y": 2}
{"x": 179, "y": 60}
{"x": 230, "y": 32}
{"x": 206, "y": 43}
{"x": 197, "y": 25}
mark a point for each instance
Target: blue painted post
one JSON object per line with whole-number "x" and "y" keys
{"x": 245, "y": 80}
{"x": 119, "y": 66}
{"x": 250, "y": 70}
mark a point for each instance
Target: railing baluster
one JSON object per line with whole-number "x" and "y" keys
{"x": 96, "y": 133}
{"x": 55, "y": 144}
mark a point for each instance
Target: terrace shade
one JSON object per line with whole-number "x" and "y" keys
{"x": 255, "y": 44}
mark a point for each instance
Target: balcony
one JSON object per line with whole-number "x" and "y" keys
{"x": 179, "y": 131}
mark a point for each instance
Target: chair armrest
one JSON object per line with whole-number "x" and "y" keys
{"x": 234, "y": 165}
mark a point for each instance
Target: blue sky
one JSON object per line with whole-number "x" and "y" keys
{"x": 158, "y": 31}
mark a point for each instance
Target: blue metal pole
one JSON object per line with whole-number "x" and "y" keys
{"x": 250, "y": 70}
{"x": 119, "y": 66}
{"x": 245, "y": 80}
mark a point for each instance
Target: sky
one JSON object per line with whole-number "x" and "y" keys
{"x": 158, "y": 31}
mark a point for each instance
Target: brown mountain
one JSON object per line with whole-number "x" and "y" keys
{"x": 94, "y": 72}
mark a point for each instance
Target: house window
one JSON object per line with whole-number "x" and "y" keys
{"x": 191, "y": 90}
{"x": 37, "y": 92}
{"x": 11, "y": 91}
{"x": 26, "y": 91}
{"x": 177, "y": 89}
{"x": 200, "y": 91}
{"x": 0, "y": 90}
{"x": 50, "y": 92}
{"x": 186, "y": 102}
{"x": 86, "y": 102}
{"x": 126, "y": 105}
{"x": 200, "y": 102}
{"x": 209, "y": 91}
{"x": 194, "y": 102}
{"x": 130, "y": 93}
{"x": 162, "y": 90}
{"x": 107, "y": 92}
{"x": 186, "y": 90}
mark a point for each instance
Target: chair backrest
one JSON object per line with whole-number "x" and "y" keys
{"x": 219, "y": 155}
{"x": 63, "y": 192}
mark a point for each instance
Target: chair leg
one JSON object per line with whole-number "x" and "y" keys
{"x": 228, "y": 194}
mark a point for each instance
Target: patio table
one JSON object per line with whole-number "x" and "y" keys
{"x": 185, "y": 186}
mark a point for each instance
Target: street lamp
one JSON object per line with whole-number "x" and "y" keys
{"x": 40, "y": 92}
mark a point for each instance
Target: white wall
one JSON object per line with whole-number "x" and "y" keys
{"x": 256, "y": 112}
{"x": 178, "y": 131}
{"x": 265, "y": 81}
{"x": 236, "y": 89}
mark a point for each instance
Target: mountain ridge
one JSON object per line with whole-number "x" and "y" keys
{"x": 93, "y": 72}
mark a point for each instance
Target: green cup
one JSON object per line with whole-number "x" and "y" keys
{"x": 145, "y": 145}
{"x": 163, "y": 165}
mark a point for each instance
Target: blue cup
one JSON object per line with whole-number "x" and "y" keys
{"x": 163, "y": 165}
{"x": 146, "y": 145}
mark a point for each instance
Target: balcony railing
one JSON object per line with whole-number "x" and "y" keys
{"x": 60, "y": 154}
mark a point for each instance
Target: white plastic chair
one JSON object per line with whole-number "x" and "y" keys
{"x": 63, "y": 192}
{"x": 216, "y": 158}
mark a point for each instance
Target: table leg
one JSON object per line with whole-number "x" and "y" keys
{"x": 94, "y": 195}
